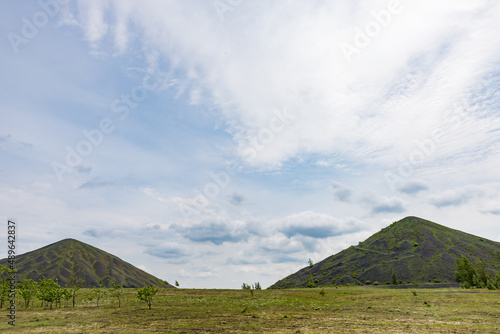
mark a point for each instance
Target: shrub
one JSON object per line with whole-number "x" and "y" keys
{"x": 116, "y": 291}
{"x": 27, "y": 289}
{"x": 465, "y": 272}
{"x": 146, "y": 294}
{"x": 394, "y": 279}
{"x": 99, "y": 292}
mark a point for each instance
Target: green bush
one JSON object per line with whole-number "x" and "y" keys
{"x": 146, "y": 294}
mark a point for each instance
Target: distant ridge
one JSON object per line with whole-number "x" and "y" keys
{"x": 72, "y": 257}
{"x": 415, "y": 249}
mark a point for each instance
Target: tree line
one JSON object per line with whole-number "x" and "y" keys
{"x": 51, "y": 294}
{"x": 475, "y": 276}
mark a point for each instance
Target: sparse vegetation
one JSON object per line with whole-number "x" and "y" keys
{"x": 116, "y": 291}
{"x": 341, "y": 310}
{"x": 82, "y": 260}
{"x": 416, "y": 250}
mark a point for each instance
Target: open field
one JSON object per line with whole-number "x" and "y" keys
{"x": 342, "y": 310}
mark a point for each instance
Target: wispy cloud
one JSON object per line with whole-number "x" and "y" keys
{"x": 265, "y": 87}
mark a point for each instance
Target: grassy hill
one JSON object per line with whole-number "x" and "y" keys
{"x": 415, "y": 249}
{"x": 72, "y": 257}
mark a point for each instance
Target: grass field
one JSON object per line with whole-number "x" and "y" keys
{"x": 342, "y": 310}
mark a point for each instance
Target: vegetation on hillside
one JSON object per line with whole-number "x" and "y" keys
{"x": 413, "y": 249}
{"x": 71, "y": 259}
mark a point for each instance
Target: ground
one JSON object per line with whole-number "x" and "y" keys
{"x": 339, "y": 310}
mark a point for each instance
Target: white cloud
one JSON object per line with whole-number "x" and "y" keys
{"x": 368, "y": 110}
{"x": 423, "y": 96}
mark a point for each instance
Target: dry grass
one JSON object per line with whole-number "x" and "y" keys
{"x": 344, "y": 310}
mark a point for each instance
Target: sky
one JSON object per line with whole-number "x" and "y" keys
{"x": 229, "y": 141}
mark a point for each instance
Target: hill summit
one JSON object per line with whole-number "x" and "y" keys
{"x": 70, "y": 257}
{"x": 416, "y": 250}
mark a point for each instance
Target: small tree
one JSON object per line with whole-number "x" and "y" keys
{"x": 28, "y": 289}
{"x": 75, "y": 284}
{"x": 311, "y": 283}
{"x": 49, "y": 291}
{"x": 475, "y": 281}
{"x": 497, "y": 281}
{"x": 394, "y": 279}
{"x": 99, "y": 292}
{"x": 61, "y": 293}
{"x": 311, "y": 263}
{"x": 245, "y": 286}
{"x": 5, "y": 280}
{"x": 176, "y": 283}
{"x": 257, "y": 286}
{"x": 465, "y": 272}
{"x": 66, "y": 295}
{"x": 482, "y": 275}
{"x": 116, "y": 291}
{"x": 146, "y": 294}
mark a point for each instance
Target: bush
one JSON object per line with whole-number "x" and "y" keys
{"x": 368, "y": 282}
{"x": 394, "y": 279}
{"x": 146, "y": 294}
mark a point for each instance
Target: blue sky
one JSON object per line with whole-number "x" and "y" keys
{"x": 222, "y": 142}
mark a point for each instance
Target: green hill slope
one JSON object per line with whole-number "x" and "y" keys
{"x": 415, "y": 249}
{"x": 72, "y": 257}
